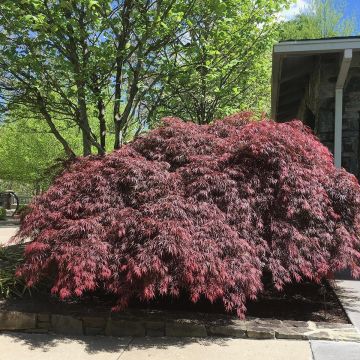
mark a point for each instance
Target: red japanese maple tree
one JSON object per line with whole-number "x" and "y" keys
{"x": 202, "y": 208}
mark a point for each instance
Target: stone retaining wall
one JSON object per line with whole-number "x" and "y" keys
{"x": 157, "y": 324}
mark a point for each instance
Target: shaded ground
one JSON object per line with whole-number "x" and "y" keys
{"x": 306, "y": 301}
{"x": 39, "y": 346}
{"x": 348, "y": 292}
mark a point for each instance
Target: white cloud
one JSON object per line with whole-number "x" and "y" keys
{"x": 295, "y": 9}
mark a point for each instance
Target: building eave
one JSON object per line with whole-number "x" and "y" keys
{"x": 304, "y": 48}
{"x": 317, "y": 46}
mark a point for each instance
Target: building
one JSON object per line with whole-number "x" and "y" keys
{"x": 318, "y": 82}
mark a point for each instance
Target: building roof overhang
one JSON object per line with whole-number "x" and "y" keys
{"x": 293, "y": 62}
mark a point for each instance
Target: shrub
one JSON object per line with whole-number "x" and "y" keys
{"x": 22, "y": 211}
{"x": 2, "y": 213}
{"x": 10, "y": 258}
{"x": 203, "y": 209}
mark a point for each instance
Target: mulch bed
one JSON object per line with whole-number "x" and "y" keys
{"x": 302, "y": 302}
{"x": 305, "y": 301}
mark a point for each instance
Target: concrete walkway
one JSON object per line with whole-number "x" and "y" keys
{"x": 331, "y": 350}
{"x": 348, "y": 292}
{"x": 40, "y": 347}
{"x": 6, "y": 232}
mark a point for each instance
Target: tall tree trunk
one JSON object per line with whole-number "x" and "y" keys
{"x": 43, "y": 110}
{"x": 121, "y": 121}
{"x": 100, "y": 104}
{"x": 83, "y": 117}
{"x": 122, "y": 39}
{"x": 86, "y": 143}
{"x": 102, "y": 122}
{"x": 117, "y": 117}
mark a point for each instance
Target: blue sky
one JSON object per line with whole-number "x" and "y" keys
{"x": 352, "y": 8}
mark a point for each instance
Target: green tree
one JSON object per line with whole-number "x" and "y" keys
{"x": 109, "y": 68}
{"x": 27, "y": 153}
{"x": 30, "y": 156}
{"x": 73, "y": 60}
{"x": 222, "y": 64}
{"x": 322, "y": 19}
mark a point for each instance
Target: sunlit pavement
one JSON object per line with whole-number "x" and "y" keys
{"x": 6, "y": 232}
{"x": 332, "y": 350}
{"x": 348, "y": 292}
{"x": 15, "y": 346}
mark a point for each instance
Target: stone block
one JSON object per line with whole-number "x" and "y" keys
{"x": 353, "y": 84}
{"x": 296, "y": 324}
{"x": 319, "y": 335}
{"x": 326, "y": 90}
{"x": 334, "y": 326}
{"x": 291, "y": 333}
{"x": 125, "y": 328}
{"x": 36, "y": 331}
{"x": 43, "y": 317}
{"x": 185, "y": 329}
{"x": 242, "y": 323}
{"x": 265, "y": 323}
{"x": 260, "y": 333}
{"x": 14, "y": 320}
{"x": 94, "y": 331}
{"x": 355, "y": 62}
{"x": 94, "y": 322}
{"x": 326, "y": 121}
{"x": 155, "y": 328}
{"x": 43, "y": 325}
{"x": 353, "y": 337}
{"x": 351, "y": 124}
{"x": 66, "y": 324}
{"x": 227, "y": 331}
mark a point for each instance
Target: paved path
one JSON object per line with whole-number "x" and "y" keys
{"x": 332, "y": 350}
{"x": 40, "y": 347}
{"x": 348, "y": 292}
{"x": 7, "y": 232}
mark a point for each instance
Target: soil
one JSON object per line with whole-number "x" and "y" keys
{"x": 302, "y": 302}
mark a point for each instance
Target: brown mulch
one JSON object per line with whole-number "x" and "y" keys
{"x": 302, "y": 302}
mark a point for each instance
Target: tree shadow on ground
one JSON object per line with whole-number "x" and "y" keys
{"x": 97, "y": 344}
{"x": 349, "y": 296}
{"x": 91, "y": 344}
{"x": 172, "y": 342}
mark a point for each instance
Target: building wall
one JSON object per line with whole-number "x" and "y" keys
{"x": 319, "y": 100}
{"x": 351, "y": 118}
{"x": 325, "y": 112}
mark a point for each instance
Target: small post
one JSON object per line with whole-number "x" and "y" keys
{"x": 338, "y": 127}
{"x": 344, "y": 69}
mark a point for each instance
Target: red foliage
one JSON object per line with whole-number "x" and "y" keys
{"x": 207, "y": 209}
